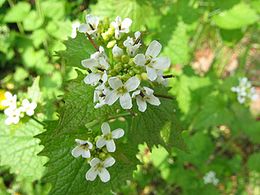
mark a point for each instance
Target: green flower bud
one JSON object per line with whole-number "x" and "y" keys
{"x": 132, "y": 73}
{"x": 111, "y": 31}
{"x": 144, "y": 76}
{"x": 111, "y": 44}
{"x": 105, "y": 36}
{"x": 102, "y": 155}
{"x": 125, "y": 58}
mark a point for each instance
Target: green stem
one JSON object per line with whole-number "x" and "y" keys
{"x": 19, "y": 24}
{"x": 119, "y": 115}
{"x": 164, "y": 96}
{"x": 38, "y": 121}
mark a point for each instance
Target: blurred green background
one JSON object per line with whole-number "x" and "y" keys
{"x": 211, "y": 43}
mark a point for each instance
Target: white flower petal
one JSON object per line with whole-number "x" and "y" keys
{"x": 142, "y": 105}
{"x": 104, "y": 175}
{"x": 136, "y": 93}
{"x": 83, "y": 28}
{"x": 91, "y": 174}
{"x": 126, "y": 23}
{"x": 30, "y": 112}
{"x": 140, "y": 60}
{"x": 161, "y": 63}
{"x": 103, "y": 63}
{"x": 80, "y": 142}
{"x": 77, "y": 151}
{"x": 90, "y": 63}
{"x": 111, "y": 97}
{"x": 100, "y": 142}
{"x": 86, "y": 154}
{"x": 137, "y": 34}
{"x": 153, "y": 100}
{"x": 132, "y": 83}
{"x": 148, "y": 91}
{"x": 92, "y": 78}
{"x": 94, "y": 162}
{"x": 126, "y": 101}
{"x": 105, "y": 128}
{"x": 153, "y": 49}
{"x": 115, "y": 82}
{"x": 111, "y": 146}
{"x": 117, "y": 133}
{"x": 151, "y": 73}
{"x": 117, "y": 51}
{"x": 109, "y": 162}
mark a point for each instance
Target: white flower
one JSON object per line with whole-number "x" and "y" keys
{"x": 100, "y": 93}
{"x": 143, "y": 96}
{"x": 121, "y": 91}
{"x": 13, "y": 115}
{"x": 151, "y": 61}
{"x": 91, "y": 25}
{"x": 121, "y": 26}
{"x": 108, "y": 137}
{"x": 10, "y": 100}
{"x": 117, "y": 51}
{"x": 210, "y": 177}
{"x": 160, "y": 78}
{"x": 98, "y": 64}
{"x": 244, "y": 91}
{"x": 75, "y": 25}
{"x": 132, "y": 45}
{"x": 28, "y": 107}
{"x": 98, "y": 167}
{"x": 82, "y": 149}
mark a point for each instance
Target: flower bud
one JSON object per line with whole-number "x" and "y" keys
{"x": 111, "y": 44}
{"x": 125, "y": 58}
{"x": 102, "y": 155}
{"x": 105, "y": 36}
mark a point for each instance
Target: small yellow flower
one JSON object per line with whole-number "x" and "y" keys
{"x": 2, "y": 97}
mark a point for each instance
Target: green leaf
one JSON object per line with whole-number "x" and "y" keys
{"x": 18, "y": 12}
{"x": 253, "y": 162}
{"x": 32, "y": 21}
{"x": 19, "y": 149}
{"x": 183, "y": 88}
{"x": 158, "y": 125}
{"x": 239, "y": 16}
{"x": 20, "y": 74}
{"x": 53, "y": 9}
{"x": 76, "y": 50}
{"x": 2, "y": 2}
{"x": 213, "y": 112}
{"x": 141, "y": 12}
{"x": 178, "y": 48}
{"x": 34, "y": 92}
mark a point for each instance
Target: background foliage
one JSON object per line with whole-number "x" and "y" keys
{"x": 211, "y": 44}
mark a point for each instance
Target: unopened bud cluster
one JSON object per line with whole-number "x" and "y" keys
{"x": 119, "y": 69}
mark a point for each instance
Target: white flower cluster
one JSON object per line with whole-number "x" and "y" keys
{"x": 13, "y": 111}
{"x": 99, "y": 165}
{"x": 210, "y": 177}
{"x": 117, "y": 69}
{"x": 245, "y": 91}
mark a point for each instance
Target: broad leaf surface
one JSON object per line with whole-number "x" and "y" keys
{"x": 19, "y": 149}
